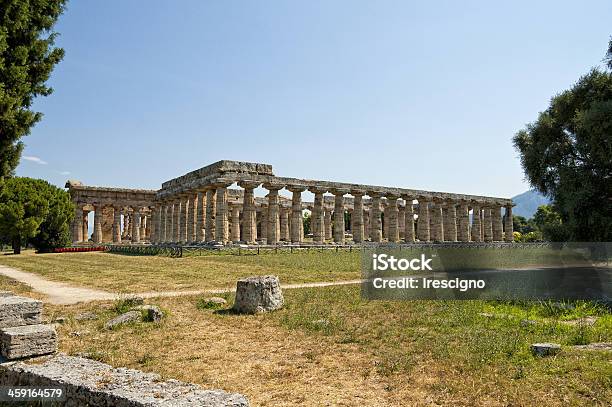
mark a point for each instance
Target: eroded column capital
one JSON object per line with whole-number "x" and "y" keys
{"x": 249, "y": 184}
{"x": 317, "y": 190}
{"x": 296, "y": 188}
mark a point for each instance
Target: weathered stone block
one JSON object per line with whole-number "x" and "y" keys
{"x": 258, "y": 294}
{"x": 6, "y": 294}
{"x": 152, "y": 313}
{"x": 18, "y": 311}
{"x": 130, "y": 316}
{"x": 26, "y": 341}
{"x": 91, "y": 383}
{"x": 545, "y": 349}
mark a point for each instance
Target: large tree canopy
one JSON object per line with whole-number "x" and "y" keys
{"x": 32, "y": 210}
{"x": 567, "y": 155}
{"x": 27, "y": 58}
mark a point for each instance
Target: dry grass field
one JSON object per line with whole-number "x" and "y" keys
{"x": 328, "y": 346}
{"x": 123, "y": 273}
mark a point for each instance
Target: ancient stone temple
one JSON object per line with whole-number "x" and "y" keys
{"x": 217, "y": 203}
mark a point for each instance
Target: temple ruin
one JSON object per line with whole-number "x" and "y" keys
{"x": 202, "y": 207}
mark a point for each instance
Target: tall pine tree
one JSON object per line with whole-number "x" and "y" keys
{"x": 27, "y": 58}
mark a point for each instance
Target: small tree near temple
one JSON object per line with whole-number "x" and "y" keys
{"x": 32, "y": 210}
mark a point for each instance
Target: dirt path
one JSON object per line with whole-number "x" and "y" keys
{"x": 65, "y": 294}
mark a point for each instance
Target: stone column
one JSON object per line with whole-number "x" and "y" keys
{"x": 169, "y": 221}
{"x": 450, "y": 228}
{"x": 317, "y": 222}
{"x": 263, "y": 224}
{"x": 437, "y": 232}
{"x": 185, "y": 209}
{"x": 235, "y": 223}
{"x": 476, "y": 228}
{"x": 328, "y": 224}
{"x": 161, "y": 231}
{"x": 151, "y": 225}
{"x": 116, "y": 224}
{"x": 392, "y": 215}
{"x": 296, "y": 215}
{"x": 366, "y": 224}
{"x": 283, "y": 218}
{"x": 385, "y": 219}
{"x": 127, "y": 224}
{"x": 136, "y": 226}
{"x": 357, "y": 216}
{"x": 77, "y": 224}
{"x": 401, "y": 221}
{"x": 193, "y": 218}
{"x": 463, "y": 230}
{"x": 155, "y": 223}
{"x": 338, "y": 216}
{"x": 249, "y": 214}
{"x": 375, "y": 221}
{"x": 409, "y": 220}
{"x": 273, "y": 215}
{"x": 144, "y": 225}
{"x": 221, "y": 215}
{"x": 176, "y": 221}
{"x": 97, "y": 232}
{"x": 509, "y": 229}
{"x": 498, "y": 227}
{"x": 211, "y": 207}
{"x": 199, "y": 208}
{"x": 423, "y": 220}
{"x": 85, "y": 232}
{"x": 487, "y": 225}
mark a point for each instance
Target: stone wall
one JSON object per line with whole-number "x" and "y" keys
{"x": 88, "y": 382}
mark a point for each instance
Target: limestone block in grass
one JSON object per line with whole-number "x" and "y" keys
{"x": 130, "y": 316}
{"x": 152, "y": 313}
{"x": 545, "y": 349}
{"x": 258, "y": 294}
{"x": 18, "y": 311}
{"x": 27, "y": 341}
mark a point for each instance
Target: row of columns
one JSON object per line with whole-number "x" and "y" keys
{"x": 138, "y": 224}
{"x": 205, "y": 215}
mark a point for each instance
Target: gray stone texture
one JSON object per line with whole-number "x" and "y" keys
{"x": 152, "y": 313}
{"x": 88, "y": 382}
{"x": 26, "y": 341}
{"x": 17, "y": 311}
{"x": 130, "y": 316}
{"x": 545, "y": 349}
{"x": 258, "y": 294}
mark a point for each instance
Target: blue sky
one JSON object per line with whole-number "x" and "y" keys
{"x": 423, "y": 95}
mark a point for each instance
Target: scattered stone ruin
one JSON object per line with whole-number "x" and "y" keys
{"x": 85, "y": 382}
{"x": 201, "y": 206}
{"x": 22, "y": 333}
{"x": 258, "y": 294}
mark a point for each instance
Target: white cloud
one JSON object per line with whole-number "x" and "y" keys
{"x": 35, "y": 159}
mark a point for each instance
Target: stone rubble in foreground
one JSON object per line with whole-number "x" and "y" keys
{"x": 18, "y": 311}
{"x": 88, "y": 382}
{"x": 28, "y": 340}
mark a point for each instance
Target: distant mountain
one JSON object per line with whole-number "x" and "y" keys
{"x": 527, "y": 203}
